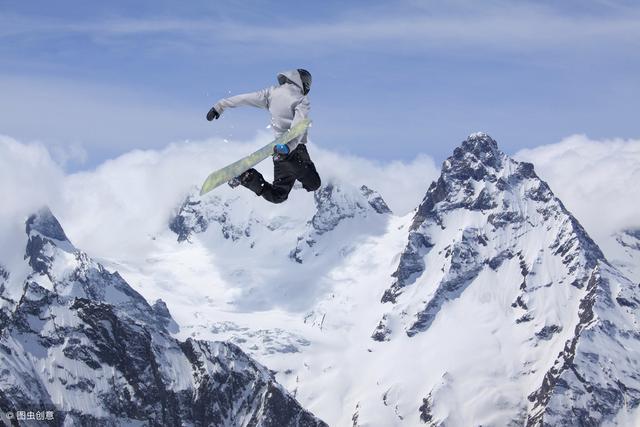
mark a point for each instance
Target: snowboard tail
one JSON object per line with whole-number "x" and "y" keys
{"x": 225, "y": 174}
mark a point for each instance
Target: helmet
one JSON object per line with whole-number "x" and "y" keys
{"x": 305, "y": 77}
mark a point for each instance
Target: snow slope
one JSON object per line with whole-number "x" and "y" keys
{"x": 623, "y": 249}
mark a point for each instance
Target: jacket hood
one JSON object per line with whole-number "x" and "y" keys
{"x": 292, "y": 76}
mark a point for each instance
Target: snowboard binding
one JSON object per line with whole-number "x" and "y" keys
{"x": 244, "y": 178}
{"x": 234, "y": 182}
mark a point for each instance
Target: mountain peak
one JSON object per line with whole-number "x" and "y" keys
{"x": 336, "y": 202}
{"x": 45, "y": 223}
{"x": 481, "y": 136}
{"x": 478, "y": 158}
{"x": 480, "y": 142}
{"x": 492, "y": 245}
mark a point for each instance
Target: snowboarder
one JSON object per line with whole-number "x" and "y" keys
{"x": 288, "y": 104}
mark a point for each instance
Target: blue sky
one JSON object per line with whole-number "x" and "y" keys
{"x": 391, "y": 79}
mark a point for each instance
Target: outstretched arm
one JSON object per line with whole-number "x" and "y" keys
{"x": 258, "y": 99}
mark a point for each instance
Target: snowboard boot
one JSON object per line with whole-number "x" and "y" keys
{"x": 243, "y": 178}
{"x": 252, "y": 179}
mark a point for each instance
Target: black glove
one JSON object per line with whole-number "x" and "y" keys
{"x": 213, "y": 114}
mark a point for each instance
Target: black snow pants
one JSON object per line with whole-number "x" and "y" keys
{"x": 296, "y": 166}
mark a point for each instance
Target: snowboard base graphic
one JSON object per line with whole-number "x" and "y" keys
{"x": 215, "y": 179}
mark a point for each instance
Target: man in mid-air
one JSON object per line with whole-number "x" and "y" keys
{"x": 288, "y": 104}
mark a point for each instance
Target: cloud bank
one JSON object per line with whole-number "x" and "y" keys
{"x": 127, "y": 200}
{"x": 596, "y": 180}
{"x": 29, "y": 179}
{"x": 131, "y": 198}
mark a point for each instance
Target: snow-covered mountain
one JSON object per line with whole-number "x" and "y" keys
{"x": 489, "y": 305}
{"x": 77, "y": 340}
{"x": 493, "y": 256}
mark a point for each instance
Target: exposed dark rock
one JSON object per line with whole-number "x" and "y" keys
{"x": 540, "y": 193}
{"x": 465, "y": 267}
{"x": 525, "y": 170}
{"x": 436, "y": 193}
{"x": 578, "y": 242}
{"x": 296, "y": 253}
{"x": 525, "y": 318}
{"x": 197, "y": 214}
{"x": 547, "y": 332}
{"x": 336, "y": 204}
{"x": 355, "y": 416}
{"x": 484, "y": 201}
{"x": 426, "y": 415}
{"x": 38, "y": 259}
{"x": 160, "y": 309}
{"x": 627, "y": 303}
{"x": 46, "y": 224}
{"x": 495, "y": 262}
{"x": 410, "y": 267}
{"x": 520, "y": 303}
{"x": 502, "y": 219}
{"x": 375, "y": 200}
{"x": 5, "y": 312}
{"x": 569, "y": 380}
{"x": 382, "y": 331}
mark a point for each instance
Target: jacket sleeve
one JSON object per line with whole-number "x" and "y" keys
{"x": 258, "y": 99}
{"x": 301, "y": 112}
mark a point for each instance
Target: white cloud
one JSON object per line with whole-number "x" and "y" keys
{"x": 130, "y": 198}
{"x": 139, "y": 190}
{"x": 29, "y": 179}
{"x": 401, "y": 184}
{"x": 127, "y": 200}
{"x": 596, "y": 180}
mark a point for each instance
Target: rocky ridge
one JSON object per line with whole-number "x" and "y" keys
{"x": 490, "y": 221}
{"x": 82, "y": 343}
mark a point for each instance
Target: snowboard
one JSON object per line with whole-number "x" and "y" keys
{"x": 229, "y": 172}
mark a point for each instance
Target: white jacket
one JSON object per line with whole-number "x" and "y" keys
{"x": 286, "y": 103}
